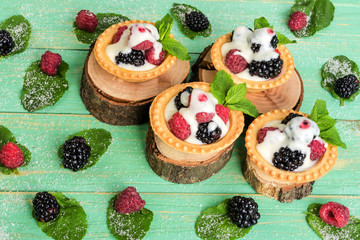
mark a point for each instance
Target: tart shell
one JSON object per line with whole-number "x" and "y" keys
{"x": 322, "y": 167}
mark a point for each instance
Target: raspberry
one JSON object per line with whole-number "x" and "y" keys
{"x": 266, "y": 69}
{"x": 75, "y": 153}
{"x": 11, "y": 156}
{"x": 50, "y": 62}
{"x": 288, "y": 160}
{"x": 262, "y": 133}
{"x": 119, "y": 33}
{"x": 150, "y": 56}
{"x": 317, "y": 149}
{"x": 222, "y": 112}
{"x": 86, "y": 20}
{"x": 144, "y": 45}
{"x": 46, "y": 207}
{"x": 129, "y": 201}
{"x": 234, "y": 62}
{"x": 135, "y": 57}
{"x": 203, "y": 117}
{"x": 278, "y": 52}
{"x": 6, "y": 43}
{"x": 335, "y": 214}
{"x": 196, "y": 21}
{"x": 289, "y": 117}
{"x": 179, "y": 127}
{"x": 208, "y": 132}
{"x": 297, "y": 21}
{"x": 346, "y": 86}
{"x": 243, "y": 211}
{"x": 182, "y": 99}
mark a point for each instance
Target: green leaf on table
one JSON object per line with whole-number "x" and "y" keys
{"x": 175, "y": 48}
{"x": 98, "y": 139}
{"x": 164, "y": 27}
{"x": 179, "y": 11}
{"x": 245, "y": 106}
{"x": 71, "y": 222}
{"x": 214, "y": 223}
{"x": 105, "y": 21}
{"x": 128, "y": 226}
{"x": 320, "y": 13}
{"x": 20, "y": 30}
{"x": 221, "y": 85}
{"x": 235, "y": 94}
{"x": 6, "y": 136}
{"x": 332, "y": 136}
{"x": 327, "y": 231}
{"x": 338, "y": 67}
{"x": 41, "y": 90}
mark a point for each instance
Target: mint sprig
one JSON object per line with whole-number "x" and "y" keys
{"x": 232, "y": 95}
{"x": 170, "y": 45}
{"x": 320, "y": 13}
{"x": 263, "y": 23}
{"x": 338, "y": 67}
{"x": 326, "y": 124}
{"x": 327, "y": 231}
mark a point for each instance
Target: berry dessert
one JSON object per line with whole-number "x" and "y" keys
{"x": 253, "y": 57}
{"x": 11, "y": 156}
{"x": 243, "y": 211}
{"x": 6, "y": 43}
{"x": 46, "y": 207}
{"x": 75, "y": 153}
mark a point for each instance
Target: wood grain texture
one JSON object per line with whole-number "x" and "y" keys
{"x": 176, "y": 206}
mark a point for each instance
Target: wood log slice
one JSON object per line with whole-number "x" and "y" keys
{"x": 117, "y": 102}
{"x": 279, "y": 190}
{"x": 183, "y": 171}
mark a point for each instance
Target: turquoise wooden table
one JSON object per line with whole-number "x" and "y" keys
{"x": 176, "y": 207}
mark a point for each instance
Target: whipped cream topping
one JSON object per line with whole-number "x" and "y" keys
{"x": 292, "y": 135}
{"x": 242, "y": 40}
{"x": 196, "y": 105}
{"x": 135, "y": 34}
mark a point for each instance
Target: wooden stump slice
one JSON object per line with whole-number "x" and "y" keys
{"x": 279, "y": 190}
{"x": 183, "y": 171}
{"x": 117, "y": 102}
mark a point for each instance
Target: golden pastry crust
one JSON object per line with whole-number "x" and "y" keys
{"x": 106, "y": 38}
{"x": 322, "y": 167}
{"x": 287, "y": 70}
{"x": 160, "y": 128}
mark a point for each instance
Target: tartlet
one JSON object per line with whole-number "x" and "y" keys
{"x": 104, "y": 61}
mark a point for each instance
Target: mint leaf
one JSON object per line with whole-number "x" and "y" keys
{"x": 105, "y": 21}
{"x": 179, "y": 11}
{"x": 6, "y": 136}
{"x": 175, "y": 48}
{"x": 235, "y": 94}
{"x": 128, "y": 226}
{"x": 283, "y": 39}
{"x": 263, "y": 23}
{"x": 325, "y": 122}
{"x": 71, "y": 222}
{"x": 245, "y": 106}
{"x": 320, "y": 14}
{"x": 164, "y": 26}
{"x": 338, "y": 67}
{"x": 20, "y": 30}
{"x": 326, "y": 231}
{"x": 41, "y": 90}
{"x": 221, "y": 85}
{"x": 215, "y": 223}
{"x": 332, "y": 136}
{"x": 319, "y": 110}
{"x": 98, "y": 139}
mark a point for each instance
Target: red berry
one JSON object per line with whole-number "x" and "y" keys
{"x": 150, "y": 56}
{"x": 129, "y": 201}
{"x": 335, "y": 214}
{"x": 234, "y": 62}
{"x": 144, "y": 45}
{"x": 86, "y": 20}
{"x": 11, "y": 156}
{"x": 50, "y": 62}
{"x": 317, "y": 149}
{"x": 262, "y": 133}
{"x": 119, "y": 33}
{"x": 222, "y": 112}
{"x": 203, "y": 117}
{"x": 179, "y": 127}
{"x": 297, "y": 21}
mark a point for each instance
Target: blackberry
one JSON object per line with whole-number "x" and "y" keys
{"x": 255, "y": 47}
{"x": 289, "y": 117}
{"x": 46, "y": 207}
{"x": 266, "y": 69}
{"x": 6, "y": 43}
{"x": 231, "y": 36}
{"x": 178, "y": 102}
{"x": 135, "y": 57}
{"x": 243, "y": 211}
{"x": 274, "y": 41}
{"x": 288, "y": 160}
{"x": 346, "y": 86}
{"x": 205, "y": 136}
{"x": 75, "y": 153}
{"x": 196, "y": 21}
